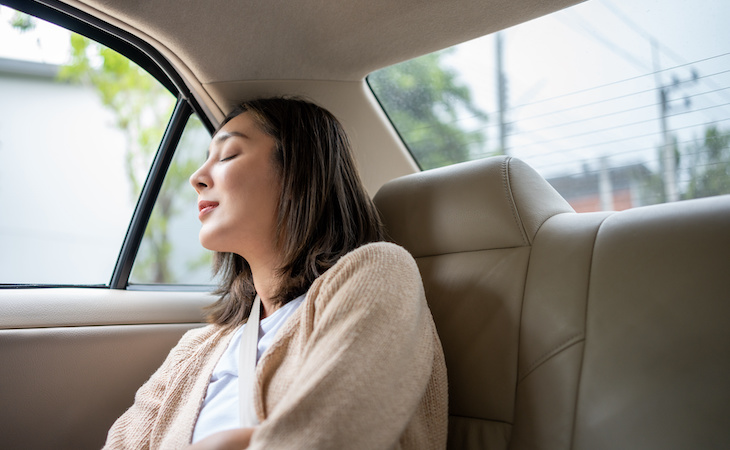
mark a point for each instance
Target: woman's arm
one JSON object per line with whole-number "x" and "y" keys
{"x": 235, "y": 439}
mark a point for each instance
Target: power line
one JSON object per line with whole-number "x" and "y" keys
{"x": 608, "y": 4}
{"x": 573, "y": 108}
{"x": 619, "y": 97}
{"x": 641, "y": 31}
{"x": 603, "y": 143}
{"x": 614, "y": 128}
{"x": 607, "y": 42}
{"x": 634, "y": 150}
{"x": 615, "y": 113}
{"x": 625, "y": 80}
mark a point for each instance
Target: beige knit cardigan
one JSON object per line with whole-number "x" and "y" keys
{"x": 358, "y": 366}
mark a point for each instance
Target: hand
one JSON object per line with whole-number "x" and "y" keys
{"x": 235, "y": 439}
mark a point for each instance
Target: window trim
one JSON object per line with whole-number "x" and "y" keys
{"x": 148, "y": 196}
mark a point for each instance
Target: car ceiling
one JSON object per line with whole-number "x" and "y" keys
{"x": 227, "y": 40}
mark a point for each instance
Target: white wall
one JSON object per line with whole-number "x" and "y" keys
{"x": 64, "y": 193}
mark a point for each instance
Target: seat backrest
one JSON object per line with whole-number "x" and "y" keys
{"x": 467, "y": 228}
{"x": 565, "y": 330}
{"x": 625, "y": 336}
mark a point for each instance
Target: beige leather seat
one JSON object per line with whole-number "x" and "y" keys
{"x": 565, "y": 330}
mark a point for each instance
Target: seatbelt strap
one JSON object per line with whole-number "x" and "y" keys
{"x": 247, "y": 366}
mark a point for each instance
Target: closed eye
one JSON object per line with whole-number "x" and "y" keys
{"x": 228, "y": 157}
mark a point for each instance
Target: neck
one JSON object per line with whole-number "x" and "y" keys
{"x": 266, "y": 282}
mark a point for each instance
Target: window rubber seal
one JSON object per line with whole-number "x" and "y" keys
{"x": 148, "y": 197}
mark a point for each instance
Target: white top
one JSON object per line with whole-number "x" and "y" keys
{"x": 220, "y": 410}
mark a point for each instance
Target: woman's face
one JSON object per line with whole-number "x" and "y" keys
{"x": 238, "y": 188}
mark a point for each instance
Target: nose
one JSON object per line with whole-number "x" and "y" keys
{"x": 200, "y": 179}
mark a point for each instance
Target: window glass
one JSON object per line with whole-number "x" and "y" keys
{"x": 79, "y": 125}
{"x": 618, "y": 104}
{"x": 170, "y": 252}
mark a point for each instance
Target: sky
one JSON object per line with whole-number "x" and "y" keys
{"x": 557, "y": 118}
{"x": 47, "y": 43}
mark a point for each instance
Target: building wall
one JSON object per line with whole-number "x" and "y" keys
{"x": 54, "y": 220}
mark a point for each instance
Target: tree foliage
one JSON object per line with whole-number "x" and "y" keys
{"x": 22, "y": 22}
{"x": 709, "y": 165}
{"x": 706, "y": 165}
{"x": 426, "y": 102}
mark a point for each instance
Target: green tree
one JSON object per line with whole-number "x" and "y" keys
{"x": 22, "y": 22}
{"x": 427, "y": 103}
{"x": 652, "y": 191}
{"x": 709, "y": 165}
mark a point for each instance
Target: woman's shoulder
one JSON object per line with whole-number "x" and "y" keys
{"x": 377, "y": 253}
{"x": 373, "y": 272}
{"x": 377, "y": 262}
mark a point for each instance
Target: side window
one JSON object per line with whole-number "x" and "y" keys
{"x": 80, "y": 125}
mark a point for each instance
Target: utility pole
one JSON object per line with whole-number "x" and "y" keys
{"x": 668, "y": 161}
{"x": 668, "y": 157}
{"x": 605, "y": 185}
{"x": 501, "y": 94}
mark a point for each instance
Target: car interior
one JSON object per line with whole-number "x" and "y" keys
{"x": 560, "y": 329}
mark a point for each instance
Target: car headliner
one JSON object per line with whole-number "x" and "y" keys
{"x": 226, "y": 40}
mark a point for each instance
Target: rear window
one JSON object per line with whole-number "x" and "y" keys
{"x": 616, "y": 104}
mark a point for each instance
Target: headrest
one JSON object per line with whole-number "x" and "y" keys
{"x": 497, "y": 202}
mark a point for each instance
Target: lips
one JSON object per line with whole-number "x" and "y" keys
{"x": 204, "y": 207}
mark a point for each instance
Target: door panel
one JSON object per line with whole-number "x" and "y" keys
{"x": 75, "y": 357}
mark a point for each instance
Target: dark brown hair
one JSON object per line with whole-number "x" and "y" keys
{"x": 324, "y": 211}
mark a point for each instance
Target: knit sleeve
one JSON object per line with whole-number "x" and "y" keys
{"x": 132, "y": 430}
{"x": 366, "y": 362}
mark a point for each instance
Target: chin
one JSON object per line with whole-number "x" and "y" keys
{"x": 209, "y": 243}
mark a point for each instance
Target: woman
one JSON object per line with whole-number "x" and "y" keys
{"x": 350, "y": 357}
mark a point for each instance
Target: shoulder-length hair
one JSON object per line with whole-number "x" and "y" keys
{"x": 324, "y": 211}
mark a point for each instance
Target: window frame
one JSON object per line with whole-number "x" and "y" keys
{"x": 151, "y": 60}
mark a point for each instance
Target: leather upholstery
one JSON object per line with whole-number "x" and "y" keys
{"x": 565, "y": 330}
{"x": 471, "y": 206}
{"x": 469, "y": 226}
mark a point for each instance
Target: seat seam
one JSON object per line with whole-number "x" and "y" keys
{"x": 585, "y": 332}
{"x": 461, "y": 252}
{"x": 559, "y": 348}
{"x": 481, "y": 419}
{"x": 511, "y": 200}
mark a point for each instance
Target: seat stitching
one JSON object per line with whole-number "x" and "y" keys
{"x": 511, "y": 200}
{"x": 585, "y": 330}
{"x": 482, "y": 419}
{"x": 574, "y": 339}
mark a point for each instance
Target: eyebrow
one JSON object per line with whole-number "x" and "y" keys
{"x": 223, "y": 136}
{"x": 220, "y": 137}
